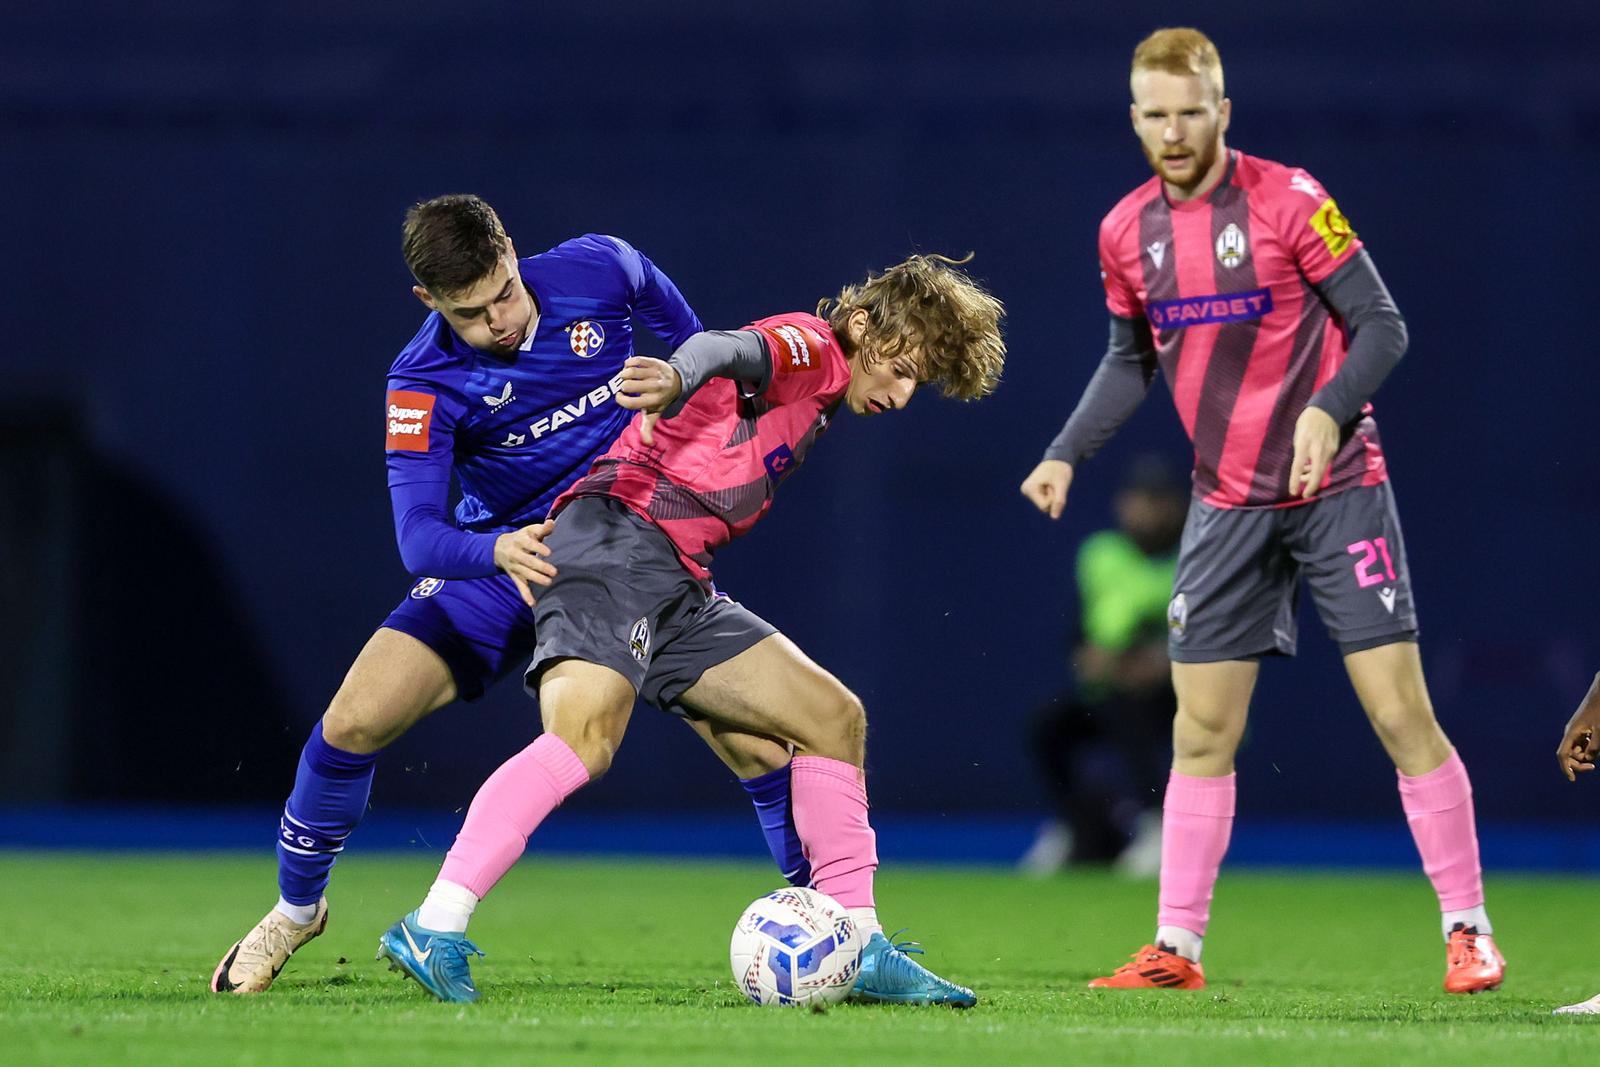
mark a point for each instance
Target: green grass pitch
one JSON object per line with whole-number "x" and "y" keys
{"x": 107, "y": 958}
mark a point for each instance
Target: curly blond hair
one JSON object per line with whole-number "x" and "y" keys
{"x": 926, "y": 301}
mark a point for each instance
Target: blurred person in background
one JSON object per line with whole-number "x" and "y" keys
{"x": 1104, "y": 745}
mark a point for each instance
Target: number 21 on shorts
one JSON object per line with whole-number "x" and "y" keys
{"x": 1369, "y": 552}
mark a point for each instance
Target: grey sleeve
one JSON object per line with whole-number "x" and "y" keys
{"x": 1118, "y": 385}
{"x": 1377, "y": 337}
{"x": 738, "y": 354}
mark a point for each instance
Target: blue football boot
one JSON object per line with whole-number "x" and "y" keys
{"x": 890, "y": 976}
{"x": 438, "y": 961}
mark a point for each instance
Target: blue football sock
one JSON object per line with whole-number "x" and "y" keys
{"x": 329, "y": 798}
{"x": 770, "y": 794}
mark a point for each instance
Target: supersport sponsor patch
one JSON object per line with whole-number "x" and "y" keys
{"x": 1200, "y": 310}
{"x": 793, "y": 349}
{"x": 407, "y": 416}
{"x": 1333, "y": 228}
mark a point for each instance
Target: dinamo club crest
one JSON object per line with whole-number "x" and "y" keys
{"x": 586, "y": 338}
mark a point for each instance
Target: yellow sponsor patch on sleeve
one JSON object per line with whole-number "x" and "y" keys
{"x": 1333, "y": 228}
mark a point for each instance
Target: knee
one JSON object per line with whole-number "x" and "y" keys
{"x": 837, "y": 726}
{"x": 849, "y": 718}
{"x": 594, "y": 740}
{"x": 596, "y": 748}
{"x": 1202, "y": 732}
{"x": 596, "y": 754}
{"x": 1398, "y": 719}
{"x": 351, "y": 727}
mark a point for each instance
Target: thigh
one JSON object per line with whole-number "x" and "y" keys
{"x": 775, "y": 690}
{"x": 618, "y": 596}
{"x": 1233, "y": 596}
{"x": 588, "y": 706}
{"x": 1216, "y": 695}
{"x": 746, "y": 754}
{"x": 1213, "y": 707}
{"x": 479, "y": 627}
{"x": 1388, "y": 679}
{"x": 394, "y": 681}
{"x": 1354, "y": 558}
{"x": 694, "y": 640}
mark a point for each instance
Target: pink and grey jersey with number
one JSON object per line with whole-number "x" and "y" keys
{"x": 1226, "y": 282}
{"x": 715, "y": 466}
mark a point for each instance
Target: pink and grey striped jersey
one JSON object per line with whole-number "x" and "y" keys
{"x": 714, "y": 467}
{"x": 1242, "y": 337}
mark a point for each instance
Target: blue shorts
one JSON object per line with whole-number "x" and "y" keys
{"x": 479, "y": 626}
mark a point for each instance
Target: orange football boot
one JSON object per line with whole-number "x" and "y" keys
{"x": 1473, "y": 964}
{"x": 1153, "y": 967}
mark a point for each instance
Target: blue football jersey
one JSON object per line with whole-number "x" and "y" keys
{"x": 517, "y": 431}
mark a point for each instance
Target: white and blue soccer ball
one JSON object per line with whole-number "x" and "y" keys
{"x": 795, "y": 947}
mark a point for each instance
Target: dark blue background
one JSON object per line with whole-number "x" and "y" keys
{"x": 201, "y": 279}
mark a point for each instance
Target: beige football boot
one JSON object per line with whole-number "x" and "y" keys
{"x": 252, "y": 964}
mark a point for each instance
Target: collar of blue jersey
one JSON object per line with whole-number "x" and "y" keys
{"x": 539, "y": 304}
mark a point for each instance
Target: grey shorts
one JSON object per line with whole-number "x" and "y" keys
{"x": 622, "y": 599}
{"x": 1237, "y": 589}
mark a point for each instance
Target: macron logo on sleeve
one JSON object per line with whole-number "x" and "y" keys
{"x": 408, "y": 416}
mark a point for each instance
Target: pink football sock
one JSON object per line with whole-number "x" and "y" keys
{"x": 1439, "y": 808}
{"x": 1196, "y": 822}
{"x": 508, "y": 807}
{"x": 830, "y": 818}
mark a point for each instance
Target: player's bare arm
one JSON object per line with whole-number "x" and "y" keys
{"x": 1046, "y": 487}
{"x": 521, "y": 554}
{"x": 1581, "y": 742}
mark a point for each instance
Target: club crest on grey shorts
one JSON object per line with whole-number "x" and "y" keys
{"x": 622, "y": 598}
{"x": 1237, "y": 588}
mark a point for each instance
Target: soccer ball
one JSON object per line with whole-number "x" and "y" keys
{"x": 795, "y": 947}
